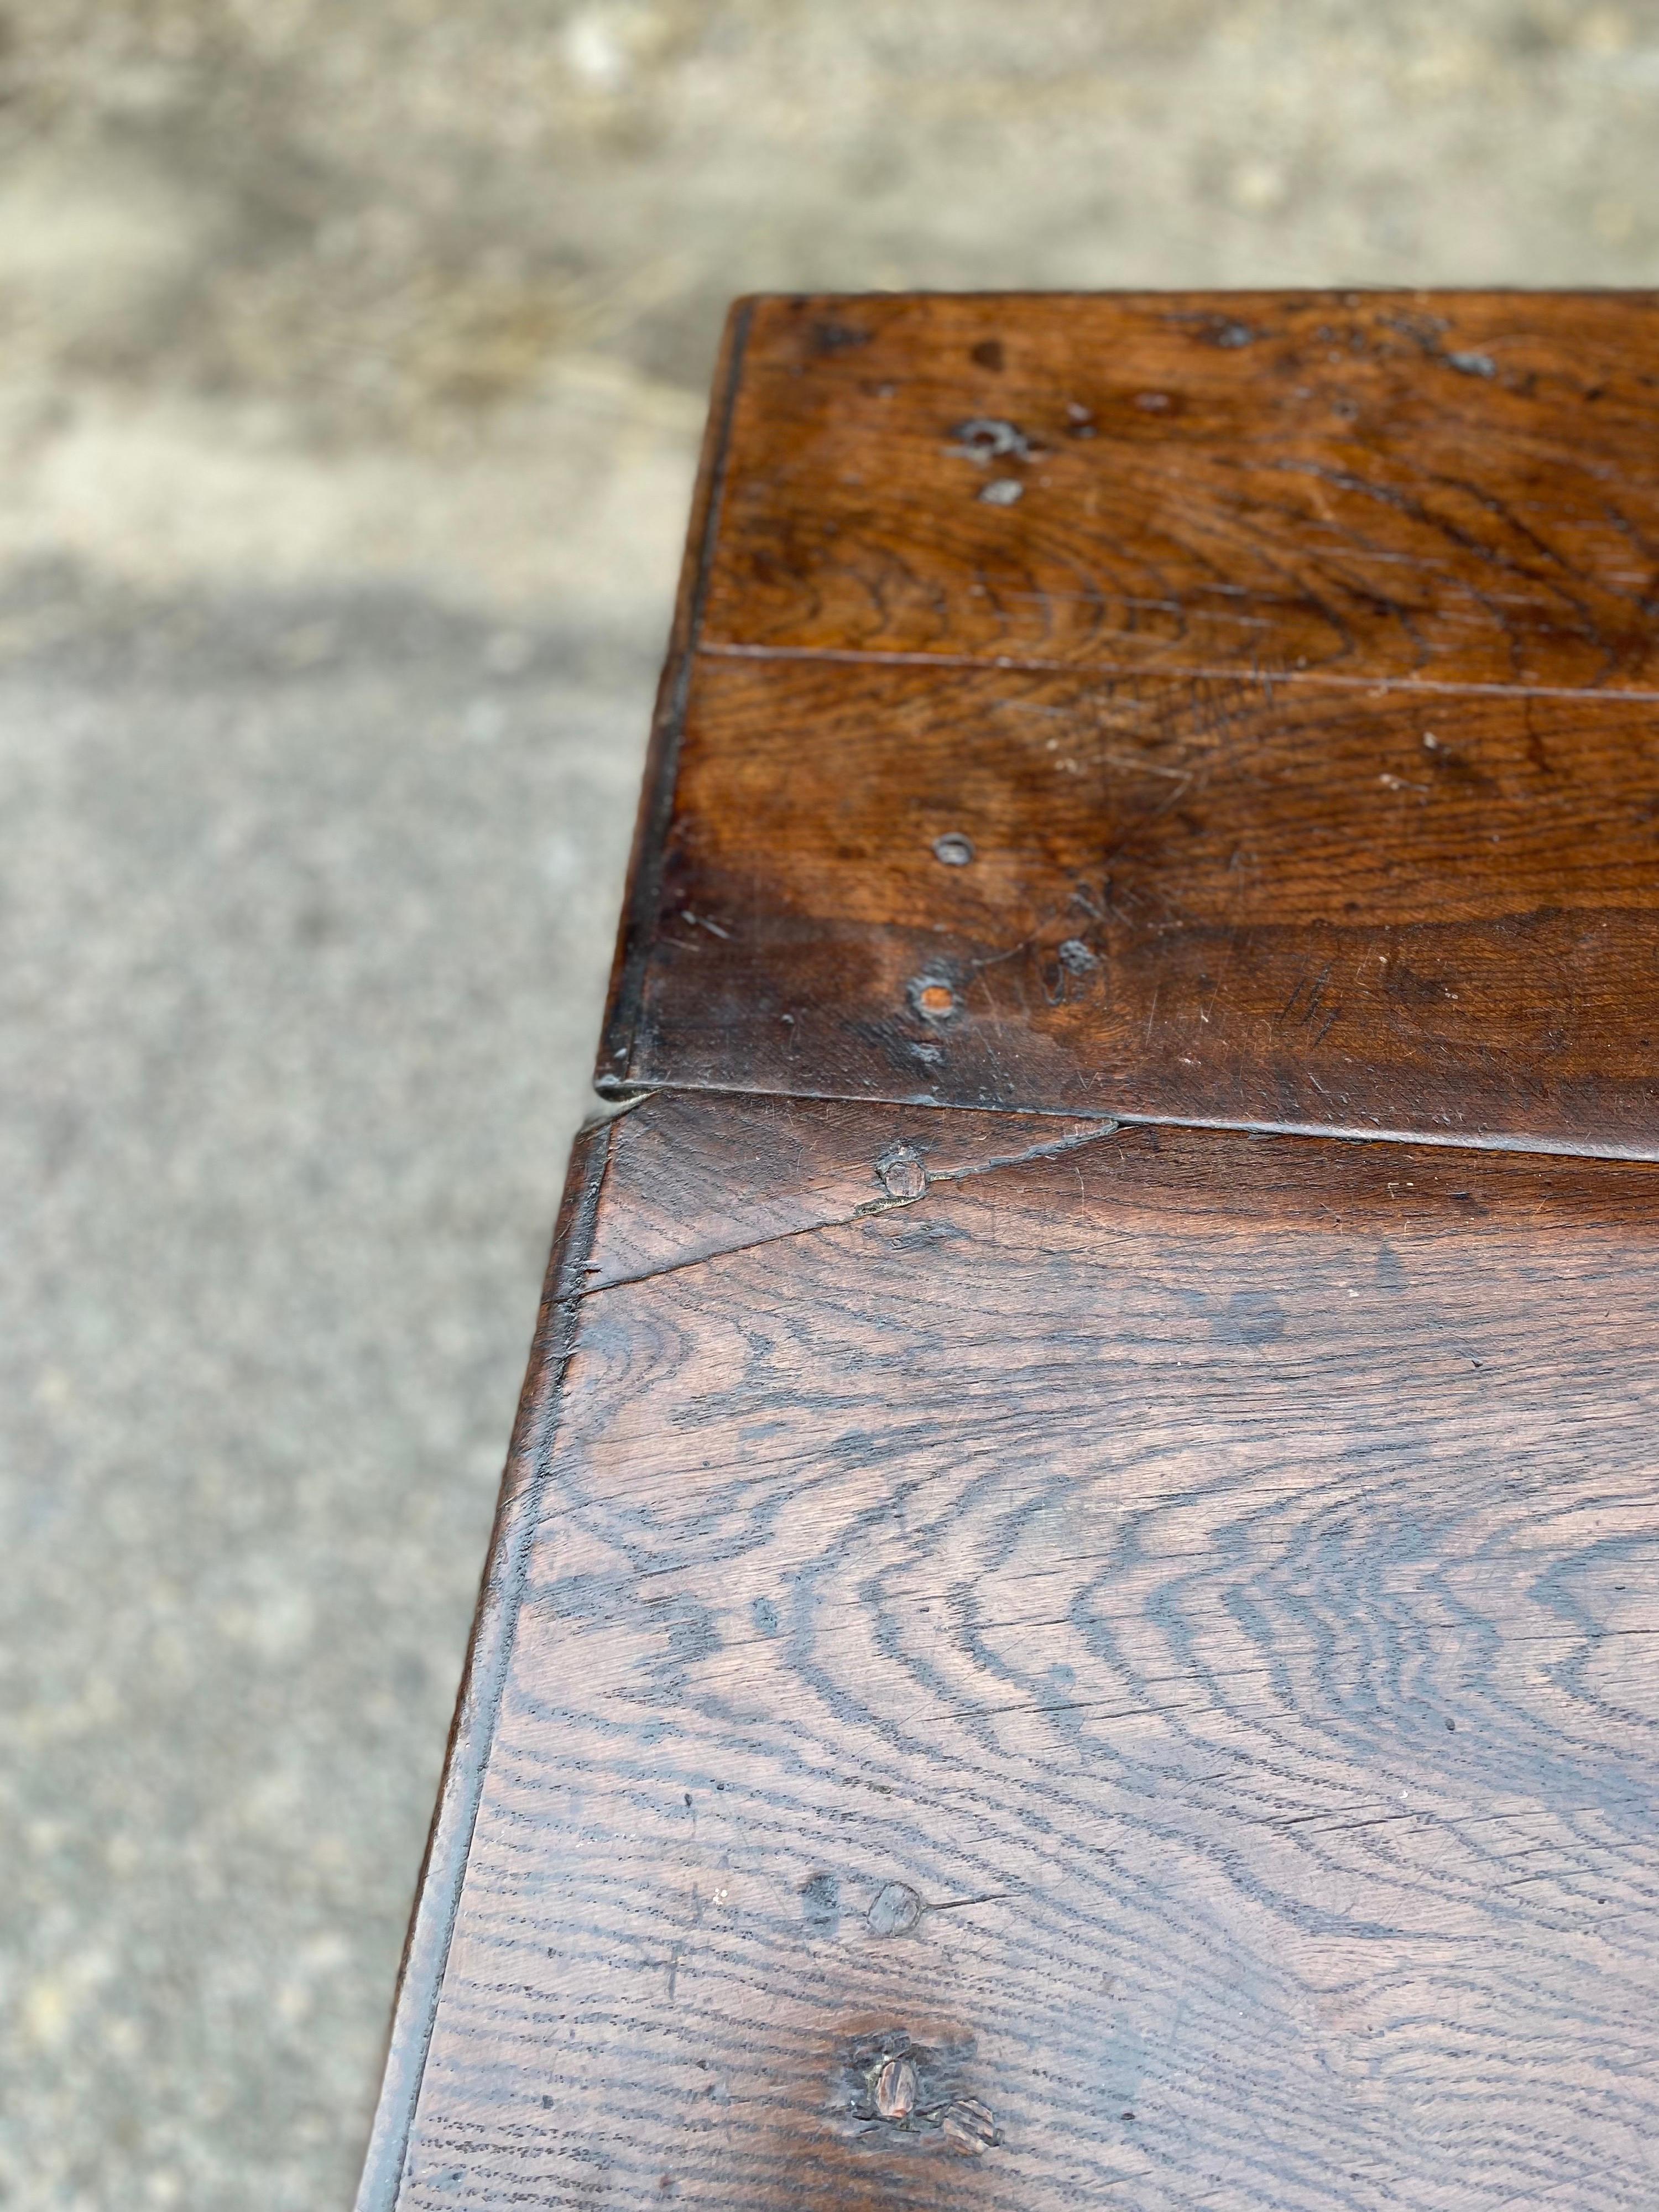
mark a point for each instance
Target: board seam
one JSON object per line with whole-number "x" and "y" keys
{"x": 1128, "y": 1117}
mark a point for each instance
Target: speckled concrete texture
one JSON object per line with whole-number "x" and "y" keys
{"x": 308, "y": 911}
{"x": 351, "y": 367}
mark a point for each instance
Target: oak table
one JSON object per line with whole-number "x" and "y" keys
{"x": 1069, "y": 1617}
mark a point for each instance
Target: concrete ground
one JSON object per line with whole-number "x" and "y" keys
{"x": 351, "y": 364}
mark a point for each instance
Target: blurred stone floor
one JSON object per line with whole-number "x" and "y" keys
{"x": 352, "y": 365}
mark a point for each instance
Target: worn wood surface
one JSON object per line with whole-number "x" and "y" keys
{"x": 1162, "y": 1623}
{"x": 1287, "y": 663}
{"x": 682, "y": 1184}
{"x": 1443, "y": 488}
{"x": 432, "y": 1922}
{"x": 1210, "y": 899}
{"x": 1031, "y": 1659}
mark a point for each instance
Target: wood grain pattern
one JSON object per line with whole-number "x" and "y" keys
{"x": 1032, "y": 1656}
{"x": 1209, "y": 900}
{"x": 1433, "y": 487}
{"x": 426, "y": 1950}
{"x": 681, "y": 1184}
{"x": 1161, "y": 1625}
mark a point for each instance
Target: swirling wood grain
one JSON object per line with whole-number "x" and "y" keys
{"x": 1161, "y": 1625}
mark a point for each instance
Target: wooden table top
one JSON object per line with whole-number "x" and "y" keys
{"x": 1056, "y": 1634}
{"x": 1283, "y": 756}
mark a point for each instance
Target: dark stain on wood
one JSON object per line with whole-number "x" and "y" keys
{"x": 1209, "y": 900}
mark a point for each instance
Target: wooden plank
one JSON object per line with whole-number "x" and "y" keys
{"x": 426, "y": 1950}
{"x": 682, "y": 1185}
{"x": 1163, "y": 1626}
{"x": 635, "y": 936}
{"x": 1437, "y": 487}
{"x": 1224, "y": 899}
{"x": 1028, "y": 1661}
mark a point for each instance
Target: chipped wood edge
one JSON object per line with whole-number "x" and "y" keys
{"x": 437, "y": 1895}
{"x": 637, "y": 935}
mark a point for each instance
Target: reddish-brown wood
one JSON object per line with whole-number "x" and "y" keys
{"x": 1443, "y": 487}
{"x": 1162, "y": 1623}
{"x": 1034, "y": 1659}
{"x": 1210, "y": 899}
{"x": 683, "y": 1184}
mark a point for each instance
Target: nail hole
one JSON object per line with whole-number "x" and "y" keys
{"x": 933, "y": 1001}
{"x": 989, "y": 438}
